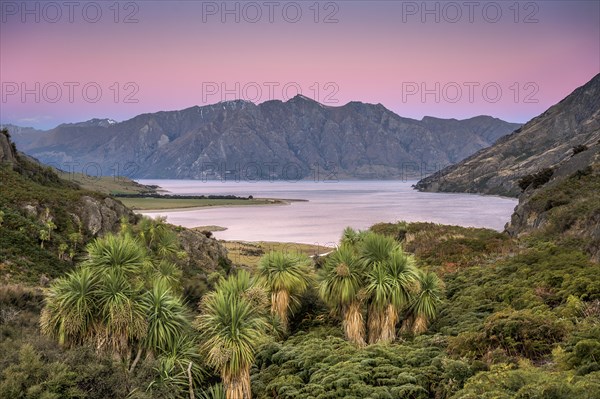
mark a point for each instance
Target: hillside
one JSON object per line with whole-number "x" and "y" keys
{"x": 567, "y": 208}
{"x": 546, "y": 141}
{"x": 290, "y": 140}
{"x": 47, "y": 220}
{"x": 552, "y": 164}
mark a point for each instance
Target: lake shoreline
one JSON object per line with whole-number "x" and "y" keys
{"x": 175, "y": 205}
{"x": 330, "y": 208}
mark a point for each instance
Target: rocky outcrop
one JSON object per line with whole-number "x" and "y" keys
{"x": 101, "y": 216}
{"x": 204, "y": 254}
{"x": 546, "y": 141}
{"x": 7, "y": 151}
{"x": 299, "y": 138}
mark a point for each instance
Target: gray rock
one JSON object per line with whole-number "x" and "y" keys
{"x": 7, "y": 153}
{"x": 204, "y": 254}
{"x": 30, "y": 210}
{"x": 101, "y": 216}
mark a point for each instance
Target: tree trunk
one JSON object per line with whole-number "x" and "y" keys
{"x": 388, "y": 330}
{"x": 280, "y": 303}
{"x": 238, "y": 386}
{"x": 136, "y": 360}
{"x": 420, "y": 325}
{"x": 354, "y": 326}
{"x": 407, "y": 325}
{"x": 375, "y": 322}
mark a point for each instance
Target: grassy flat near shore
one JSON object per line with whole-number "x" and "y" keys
{"x": 249, "y": 253}
{"x": 106, "y": 184}
{"x": 114, "y": 185}
{"x": 144, "y": 204}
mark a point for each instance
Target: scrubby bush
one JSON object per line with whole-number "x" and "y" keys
{"x": 537, "y": 179}
{"x": 528, "y": 382}
{"x": 322, "y": 364}
{"x": 524, "y": 332}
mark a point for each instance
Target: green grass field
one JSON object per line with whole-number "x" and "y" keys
{"x": 142, "y": 204}
{"x": 106, "y": 184}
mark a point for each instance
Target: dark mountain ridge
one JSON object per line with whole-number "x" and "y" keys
{"x": 299, "y": 138}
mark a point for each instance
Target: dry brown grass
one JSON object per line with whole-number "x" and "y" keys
{"x": 248, "y": 254}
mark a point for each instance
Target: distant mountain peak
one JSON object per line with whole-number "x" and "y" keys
{"x": 95, "y": 122}
{"x": 231, "y": 104}
{"x": 300, "y": 97}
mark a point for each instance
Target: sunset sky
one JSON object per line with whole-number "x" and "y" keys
{"x": 511, "y": 60}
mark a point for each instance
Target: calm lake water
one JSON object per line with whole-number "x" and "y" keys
{"x": 331, "y": 206}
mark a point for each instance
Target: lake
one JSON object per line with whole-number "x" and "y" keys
{"x": 331, "y": 206}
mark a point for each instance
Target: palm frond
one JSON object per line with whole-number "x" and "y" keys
{"x": 111, "y": 252}
{"x": 286, "y": 276}
{"x": 166, "y": 316}
{"x": 69, "y": 314}
{"x": 426, "y": 303}
{"x": 342, "y": 278}
{"x": 376, "y": 248}
{"x": 232, "y": 327}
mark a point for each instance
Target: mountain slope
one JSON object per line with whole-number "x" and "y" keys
{"x": 567, "y": 208}
{"x": 283, "y": 140}
{"x": 553, "y": 164}
{"x": 546, "y": 141}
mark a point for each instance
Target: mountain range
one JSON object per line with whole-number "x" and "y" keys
{"x": 299, "y": 138}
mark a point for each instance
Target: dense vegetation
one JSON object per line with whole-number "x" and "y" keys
{"x": 405, "y": 310}
{"x": 536, "y": 180}
{"x": 518, "y": 320}
{"x": 525, "y": 324}
{"x": 570, "y": 209}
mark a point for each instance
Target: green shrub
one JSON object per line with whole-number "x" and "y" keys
{"x": 524, "y": 332}
{"x": 529, "y": 382}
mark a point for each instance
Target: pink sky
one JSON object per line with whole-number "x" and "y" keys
{"x": 179, "y": 55}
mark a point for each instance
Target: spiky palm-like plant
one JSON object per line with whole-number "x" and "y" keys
{"x": 403, "y": 278}
{"x": 214, "y": 392}
{"x": 166, "y": 271}
{"x": 341, "y": 288}
{"x": 111, "y": 252}
{"x": 123, "y": 301}
{"x": 426, "y": 302}
{"x": 350, "y": 237}
{"x": 391, "y": 277}
{"x": 166, "y": 315}
{"x": 69, "y": 314}
{"x": 122, "y": 314}
{"x": 158, "y": 237}
{"x": 180, "y": 368}
{"x": 374, "y": 252}
{"x": 286, "y": 277}
{"x": 377, "y": 289}
{"x": 376, "y": 248}
{"x": 233, "y": 327}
